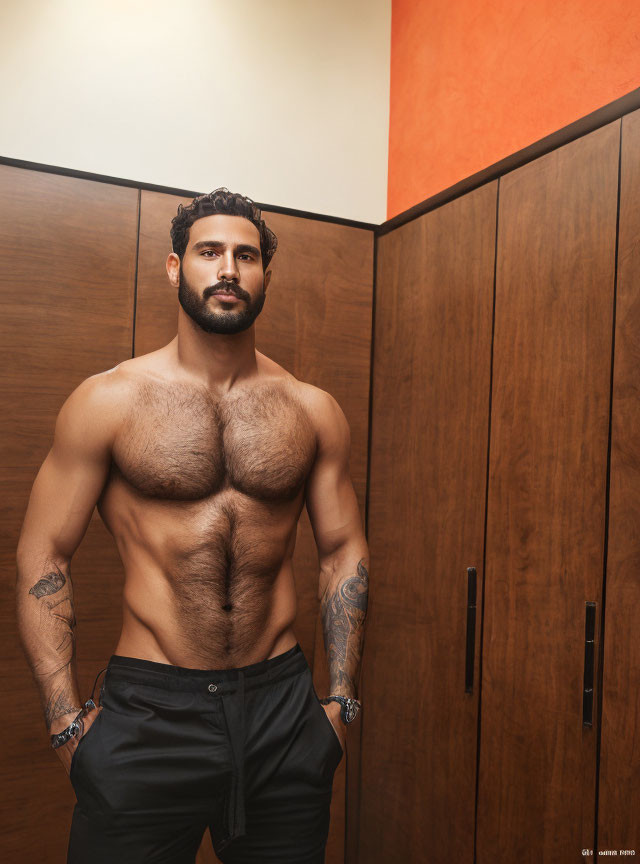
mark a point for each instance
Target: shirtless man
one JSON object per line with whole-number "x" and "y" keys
{"x": 199, "y": 457}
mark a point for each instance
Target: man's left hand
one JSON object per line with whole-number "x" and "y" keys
{"x": 333, "y": 713}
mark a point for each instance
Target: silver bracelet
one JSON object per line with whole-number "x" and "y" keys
{"x": 349, "y": 707}
{"x": 74, "y": 727}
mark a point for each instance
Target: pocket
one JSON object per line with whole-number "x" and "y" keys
{"x": 82, "y": 743}
{"x": 327, "y": 722}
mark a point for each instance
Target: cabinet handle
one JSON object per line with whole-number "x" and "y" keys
{"x": 589, "y": 633}
{"x": 471, "y": 629}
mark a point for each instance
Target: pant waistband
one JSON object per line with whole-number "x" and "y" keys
{"x": 216, "y": 681}
{"x": 229, "y": 685}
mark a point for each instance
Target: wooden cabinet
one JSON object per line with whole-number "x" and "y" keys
{"x": 546, "y": 501}
{"x": 514, "y": 412}
{"x": 619, "y": 788}
{"x": 431, "y": 385}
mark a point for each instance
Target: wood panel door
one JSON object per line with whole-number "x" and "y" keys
{"x": 68, "y": 251}
{"x": 546, "y": 501}
{"x": 431, "y": 381}
{"x": 619, "y": 791}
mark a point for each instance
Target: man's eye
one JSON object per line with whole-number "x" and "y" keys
{"x": 209, "y": 252}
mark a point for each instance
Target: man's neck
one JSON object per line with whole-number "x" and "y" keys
{"x": 216, "y": 360}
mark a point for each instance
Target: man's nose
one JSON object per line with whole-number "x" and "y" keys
{"x": 228, "y": 268}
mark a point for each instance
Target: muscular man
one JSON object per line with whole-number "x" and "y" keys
{"x": 200, "y": 457}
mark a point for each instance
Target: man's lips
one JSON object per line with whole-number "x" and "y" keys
{"x": 224, "y": 296}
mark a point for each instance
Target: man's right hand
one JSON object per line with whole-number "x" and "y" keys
{"x": 65, "y": 753}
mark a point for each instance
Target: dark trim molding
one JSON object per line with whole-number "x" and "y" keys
{"x": 320, "y": 217}
{"x": 608, "y": 113}
{"x": 98, "y": 178}
{"x": 589, "y": 123}
{"x": 171, "y": 190}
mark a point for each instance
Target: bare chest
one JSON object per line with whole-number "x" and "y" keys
{"x": 180, "y": 442}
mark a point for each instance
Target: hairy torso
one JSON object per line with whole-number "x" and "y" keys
{"x": 203, "y": 499}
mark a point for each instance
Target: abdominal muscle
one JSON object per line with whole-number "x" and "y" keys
{"x": 192, "y": 596}
{"x": 150, "y": 633}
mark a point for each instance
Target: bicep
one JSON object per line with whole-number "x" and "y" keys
{"x": 330, "y": 497}
{"x": 72, "y": 476}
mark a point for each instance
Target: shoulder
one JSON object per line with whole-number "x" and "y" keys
{"x": 320, "y": 402}
{"x": 326, "y": 415}
{"x": 97, "y": 401}
{"x": 113, "y": 386}
{"x": 321, "y": 407}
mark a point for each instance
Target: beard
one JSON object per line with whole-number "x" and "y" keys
{"x": 233, "y": 320}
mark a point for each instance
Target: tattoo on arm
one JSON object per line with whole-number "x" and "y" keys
{"x": 58, "y": 706}
{"x": 52, "y": 643}
{"x": 343, "y": 613}
{"x": 50, "y": 583}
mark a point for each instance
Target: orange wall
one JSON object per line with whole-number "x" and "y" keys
{"x": 473, "y": 81}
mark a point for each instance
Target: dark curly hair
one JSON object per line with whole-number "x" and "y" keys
{"x": 221, "y": 201}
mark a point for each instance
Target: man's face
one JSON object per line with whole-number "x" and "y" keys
{"x": 223, "y": 255}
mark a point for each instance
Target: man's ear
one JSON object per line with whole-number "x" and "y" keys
{"x": 267, "y": 279}
{"x": 173, "y": 269}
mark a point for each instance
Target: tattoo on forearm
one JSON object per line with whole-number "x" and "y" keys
{"x": 63, "y": 610}
{"x": 56, "y": 631}
{"x": 58, "y": 706}
{"x": 49, "y": 583}
{"x": 343, "y": 614}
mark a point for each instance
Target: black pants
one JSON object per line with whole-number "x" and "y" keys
{"x": 248, "y": 753}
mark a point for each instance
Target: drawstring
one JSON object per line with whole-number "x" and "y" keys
{"x": 233, "y": 704}
{"x": 94, "y": 686}
{"x": 236, "y": 808}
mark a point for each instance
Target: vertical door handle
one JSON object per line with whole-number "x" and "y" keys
{"x": 471, "y": 630}
{"x": 589, "y": 634}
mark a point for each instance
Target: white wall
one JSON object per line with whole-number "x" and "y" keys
{"x": 286, "y": 101}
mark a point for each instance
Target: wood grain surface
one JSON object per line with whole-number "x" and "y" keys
{"x": 537, "y": 409}
{"x": 619, "y": 793}
{"x": 546, "y": 502}
{"x": 68, "y": 250}
{"x": 431, "y": 376}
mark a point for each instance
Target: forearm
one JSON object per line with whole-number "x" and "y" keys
{"x": 344, "y": 609}
{"x": 47, "y": 627}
